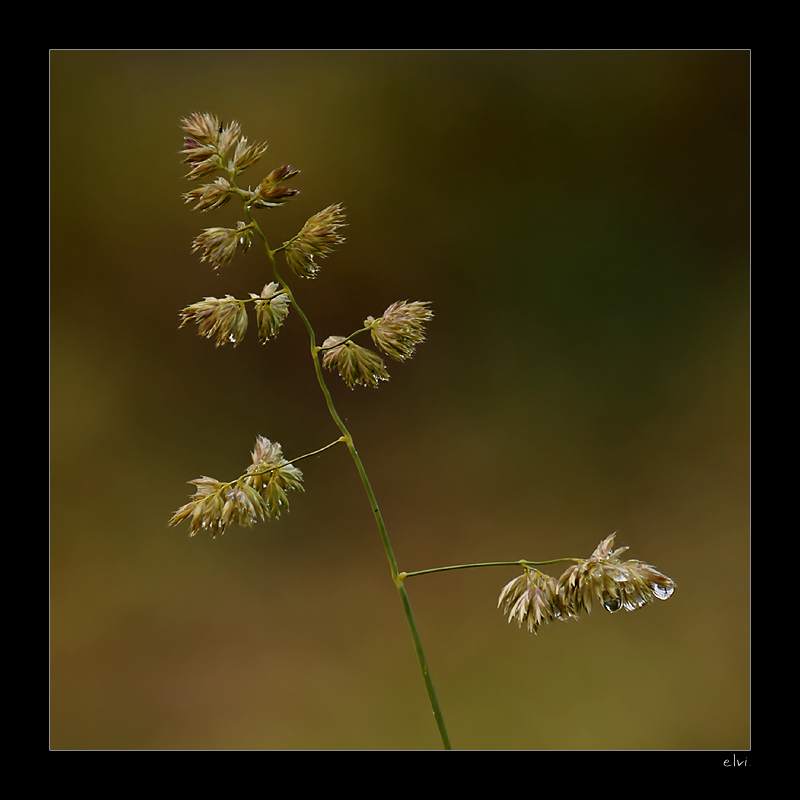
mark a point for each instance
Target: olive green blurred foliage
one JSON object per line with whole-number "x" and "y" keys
{"x": 579, "y": 221}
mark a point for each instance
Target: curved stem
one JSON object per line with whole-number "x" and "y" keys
{"x": 317, "y": 451}
{"x": 348, "y": 439}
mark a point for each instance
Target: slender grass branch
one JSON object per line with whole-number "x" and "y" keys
{"x": 521, "y": 563}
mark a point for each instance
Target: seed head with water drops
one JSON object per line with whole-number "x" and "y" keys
{"x": 603, "y": 579}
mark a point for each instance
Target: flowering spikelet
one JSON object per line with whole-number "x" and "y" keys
{"x": 227, "y": 139}
{"x": 261, "y": 493}
{"x": 272, "y": 306}
{"x": 531, "y": 599}
{"x": 244, "y": 155}
{"x": 400, "y": 329}
{"x": 272, "y": 476}
{"x": 210, "y": 195}
{"x": 218, "y": 245}
{"x": 271, "y": 192}
{"x": 204, "y": 128}
{"x": 316, "y": 238}
{"x": 223, "y": 319}
{"x": 201, "y": 145}
{"x": 355, "y": 364}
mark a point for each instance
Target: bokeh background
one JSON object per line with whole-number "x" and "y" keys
{"x": 580, "y": 222}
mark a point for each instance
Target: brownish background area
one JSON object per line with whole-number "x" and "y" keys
{"x": 579, "y": 221}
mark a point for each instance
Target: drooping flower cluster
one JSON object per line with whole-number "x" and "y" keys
{"x": 272, "y": 308}
{"x": 534, "y": 598}
{"x": 396, "y": 333}
{"x": 354, "y": 363}
{"x": 220, "y": 318}
{"x": 218, "y": 245}
{"x": 225, "y": 318}
{"x": 261, "y": 493}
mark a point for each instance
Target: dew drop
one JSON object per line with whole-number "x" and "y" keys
{"x": 663, "y": 592}
{"x": 611, "y": 604}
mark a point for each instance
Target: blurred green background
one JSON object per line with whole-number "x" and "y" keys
{"x": 580, "y": 222}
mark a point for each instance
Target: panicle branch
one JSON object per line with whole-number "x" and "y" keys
{"x": 260, "y": 493}
{"x": 396, "y": 333}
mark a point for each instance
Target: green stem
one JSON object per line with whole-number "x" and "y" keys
{"x": 373, "y": 503}
{"x": 423, "y": 664}
{"x": 520, "y": 563}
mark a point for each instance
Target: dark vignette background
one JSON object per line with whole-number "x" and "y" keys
{"x": 580, "y": 221}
